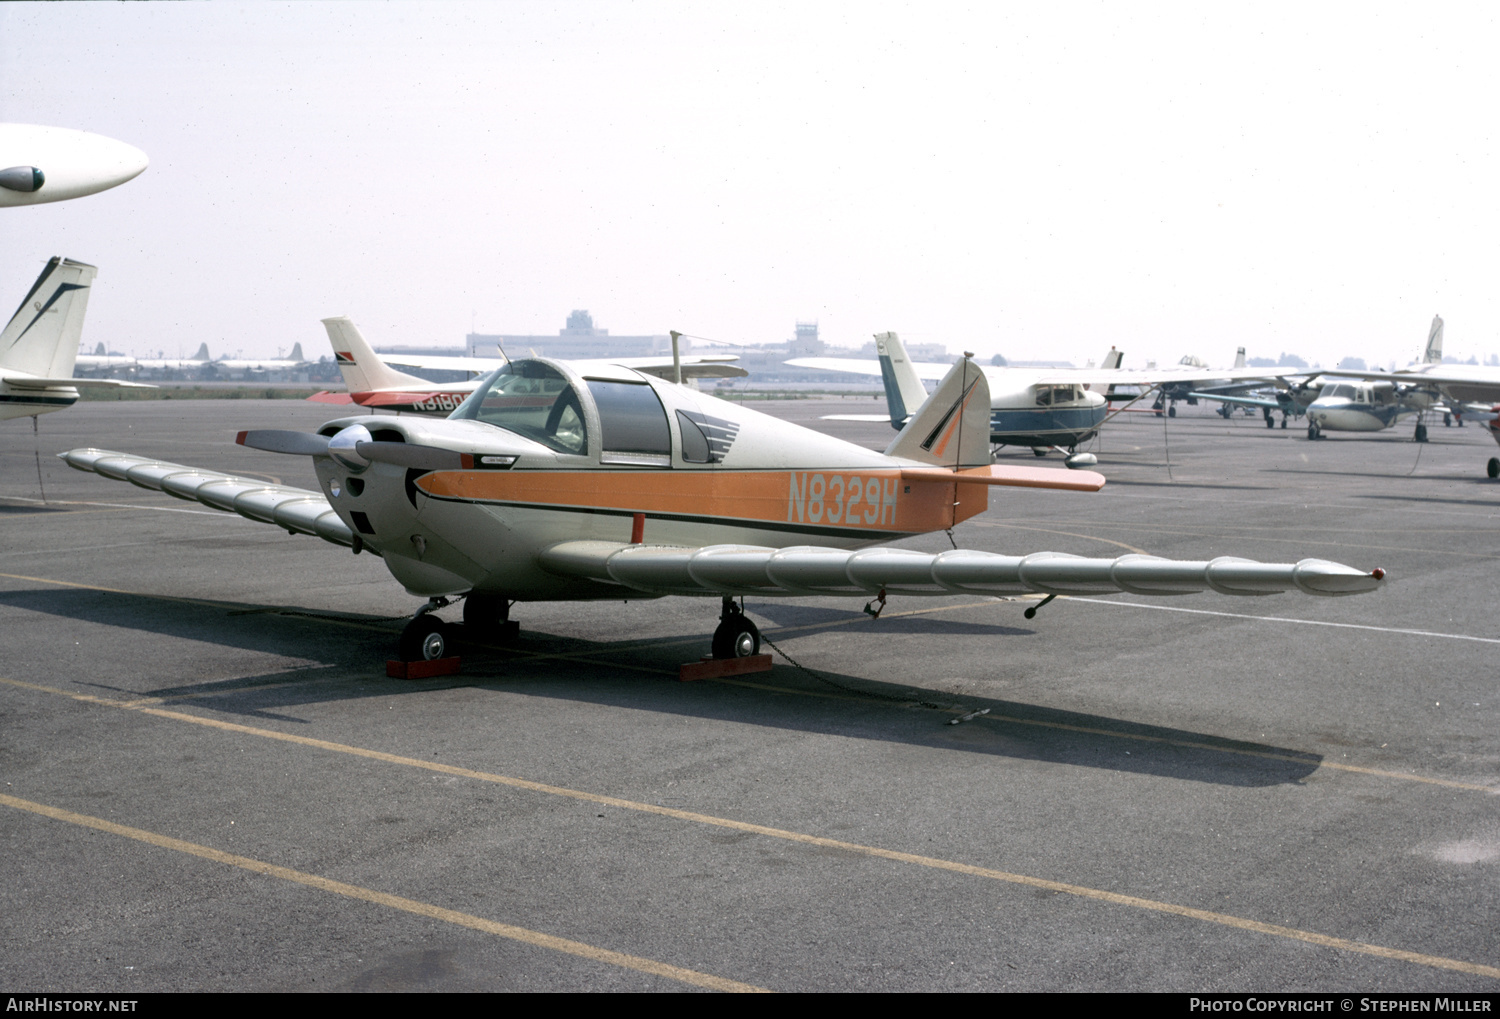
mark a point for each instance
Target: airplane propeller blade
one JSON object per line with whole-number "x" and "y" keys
{"x": 281, "y": 440}
{"x": 407, "y": 454}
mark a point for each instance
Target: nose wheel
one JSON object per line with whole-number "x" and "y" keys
{"x": 736, "y": 636}
{"x": 426, "y": 639}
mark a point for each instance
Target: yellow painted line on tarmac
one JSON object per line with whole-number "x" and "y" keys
{"x": 424, "y": 909}
{"x": 934, "y": 863}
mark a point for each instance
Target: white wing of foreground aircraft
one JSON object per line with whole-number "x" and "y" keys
{"x": 52, "y": 164}
{"x": 550, "y": 483}
{"x": 372, "y": 382}
{"x": 39, "y": 344}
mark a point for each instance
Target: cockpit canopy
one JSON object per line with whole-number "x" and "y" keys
{"x": 536, "y": 400}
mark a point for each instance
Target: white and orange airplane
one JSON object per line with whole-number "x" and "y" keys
{"x": 555, "y": 483}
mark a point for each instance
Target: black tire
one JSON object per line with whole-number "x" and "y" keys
{"x": 1493, "y": 467}
{"x": 1271, "y": 423}
{"x": 1312, "y": 431}
{"x": 1283, "y": 422}
{"x": 1421, "y": 433}
{"x": 736, "y": 637}
{"x": 1172, "y": 411}
{"x": 424, "y": 639}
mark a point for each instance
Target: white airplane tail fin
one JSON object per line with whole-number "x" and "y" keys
{"x": 202, "y": 354}
{"x": 952, "y": 429}
{"x": 99, "y": 351}
{"x": 296, "y": 354}
{"x": 1112, "y": 359}
{"x": 1239, "y": 358}
{"x": 362, "y": 368}
{"x": 904, "y": 392}
{"x": 1434, "y": 352}
{"x": 42, "y": 337}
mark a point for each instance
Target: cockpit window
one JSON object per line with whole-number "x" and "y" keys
{"x": 1339, "y": 389}
{"x": 531, "y": 399}
{"x": 632, "y": 419}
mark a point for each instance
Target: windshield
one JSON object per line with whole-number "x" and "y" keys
{"x": 531, "y": 399}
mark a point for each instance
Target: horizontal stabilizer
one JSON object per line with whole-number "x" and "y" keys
{"x": 803, "y": 570}
{"x": 296, "y": 509}
{"x": 1014, "y": 477}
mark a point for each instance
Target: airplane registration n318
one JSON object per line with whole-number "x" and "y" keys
{"x": 551, "y": 484}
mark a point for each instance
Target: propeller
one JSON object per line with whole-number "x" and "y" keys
{"x": 354, "y": 448}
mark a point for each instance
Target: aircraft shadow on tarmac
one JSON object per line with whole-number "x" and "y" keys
{"x": 641, "y": 675}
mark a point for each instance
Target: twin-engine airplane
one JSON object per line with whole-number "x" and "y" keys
{"x": 40, "y": 342}
{"x": 551, "y": 483}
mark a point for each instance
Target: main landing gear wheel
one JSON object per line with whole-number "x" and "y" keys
{"x": 1314, "y": 432}
{"x": 1172, "y": 411}
{"x": 736, "y": 636}
{"x": 1421, "y": 433}
{"x": 425, "y": 639}
{"x": 1493, "y": 467}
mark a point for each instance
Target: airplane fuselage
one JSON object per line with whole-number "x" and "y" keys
{"x": 17, "y": 402}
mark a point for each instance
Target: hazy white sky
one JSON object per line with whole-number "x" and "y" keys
{"x": 1041, "y": 180}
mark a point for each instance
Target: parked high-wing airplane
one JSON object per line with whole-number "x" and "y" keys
{"x": 53, "y": 164}
{"x": 558, "y": 483}
{"x": 1349, "y": 400}
{"x": 1044, "y": 408}
{"x": 39, "y": 344}
{"x": 372, "y": 382}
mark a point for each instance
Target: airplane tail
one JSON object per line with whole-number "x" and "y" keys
{"x": 952, "y": 429}
{"x": 297, "y": 353}
{"x": 202, "y": 354}
{"x": 1112, "y": 359}
{"x": 99, "y": 351}
{"x": 362, "y": 368}
{"x": 1434, "y": 352}
{"x": 42, "y": 337}
{"x": 904, "y": 392}
{"x": 1239, "y": 358}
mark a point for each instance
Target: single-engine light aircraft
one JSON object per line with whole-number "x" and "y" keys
{"x": 551, "y": 483}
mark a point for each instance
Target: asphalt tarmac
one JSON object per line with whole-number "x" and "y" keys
{"x": 210, "y": 784}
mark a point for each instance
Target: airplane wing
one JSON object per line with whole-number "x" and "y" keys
{"x": 298, "y": 510}
{"x": 801, "y": 570}
{"x": 708, "y": 366}
{"x": 1242, "y": 401}
{"x": 21, "y": 381}
{"x": 854, "y": 366}
{"x": 808, "y": 570}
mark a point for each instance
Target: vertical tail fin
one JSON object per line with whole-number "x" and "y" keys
{"x": 99, "y": 351}
{"x": 1112, "y": 359}
{"x": 362, "y": 368}
{"x": 42, "y": 337}
{"x": 202, "y": 354}
{"x": 952, "y": 429}
{"x": 1434, "y": 352}
{"x": 296, "y": 354}
{"x": 904, "y": 392}
{"x": 1239, "y": 358}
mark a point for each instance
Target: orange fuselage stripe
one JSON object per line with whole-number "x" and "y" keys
{"x": 875, "y": 500}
